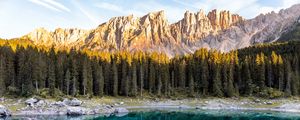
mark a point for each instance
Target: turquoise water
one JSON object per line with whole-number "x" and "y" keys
{"x": 179, "y": 115}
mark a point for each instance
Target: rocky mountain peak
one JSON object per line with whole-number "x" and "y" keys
{"x": 223, "y": 19}
{"x": 219, "y": 29}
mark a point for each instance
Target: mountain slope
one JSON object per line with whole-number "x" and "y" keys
{"x": 219, "y": 30}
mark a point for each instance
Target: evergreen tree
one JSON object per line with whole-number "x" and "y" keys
{"x": 260, "y": 69}
{"x": 247, "y": 78}
{"x": 2, "y": 74}
{"x": 114, "y": 75}
{"x": 280, "y": 73}
{"x": 67, "y": 80}
{"x": 133, "y": 89}
{"x": 204, "y": 77}
{"x": 51, "y": 79}
{"x": 288, "y": 77}
{"x": 230, "y": 87}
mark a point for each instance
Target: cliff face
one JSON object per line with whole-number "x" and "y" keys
{"x": 219, "y": 30}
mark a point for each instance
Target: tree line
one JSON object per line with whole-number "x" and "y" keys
{"x": 265, "y": 70}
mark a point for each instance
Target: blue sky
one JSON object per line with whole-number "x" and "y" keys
{"x": 19, "y": 17}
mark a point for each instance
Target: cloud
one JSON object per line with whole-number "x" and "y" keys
{"x": 88, "y": 15}
{"x": 85, "y": 12}
{"x": 51, "y": 4}
{"x": 57, "y": 5}
{"x": 118, "y": 9}
{"x": 109, "y": 6}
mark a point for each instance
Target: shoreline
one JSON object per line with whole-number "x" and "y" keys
{"x": 108, "y": 106}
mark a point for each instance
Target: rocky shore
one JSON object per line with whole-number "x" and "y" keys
{"x": 121, "y": 106}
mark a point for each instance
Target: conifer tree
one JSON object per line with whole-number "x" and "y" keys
{"x": 51, "y": 79}
{"x": 133, "y": 88}
{"x": 247, "y": 78}
{"x": 2, "y": 74}
{"x": 67, "y": 79}
{"x": 114, "y": 75}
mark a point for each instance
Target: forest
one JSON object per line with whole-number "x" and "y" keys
{"x": 268, "y": 70}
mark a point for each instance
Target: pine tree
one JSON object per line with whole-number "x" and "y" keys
{"x": 295, "y": 76}
{"x": 114, "y": 75}
{"x": 260, "y": 69}
{"x": 191, "y": 85}
{"x": 217, "y": 86}
{"x": 280, "y": 73}
{"x": 74, "y": 75}
{"x": 247, "y": 78}
{"x": 51, "y": 79}
{"x": 141, "y": 79}
{"x": 230, "y": 88}
{"x": 288, "y": 74}
{"x": 86, "y": 78}
{"x": 151, "y": 77}
{"x": 204, "y": 77}
{"x": 133, "y": 89}
{"x": 67, "y": 80}
{"x": 98, "y": 80}
{"x": 2, "y": 74}
{"x": 182, "y": 77}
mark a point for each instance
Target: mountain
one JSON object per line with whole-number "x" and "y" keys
{"x": 219, "y": 30}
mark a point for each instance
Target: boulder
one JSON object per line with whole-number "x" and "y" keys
{"x": 121, "y": 110}
{"x": 75, "y": 102}
{"x": 41, "y": 103}
{"x": 121, "y": 103}
{"x": 4, "y": 111}
{"x": 269, "y": 103}
{"x": 75, "y": 111}
{"x": 257, "y": 100}
{"x": 59, "y": 104}
{"x": 31, "y": 101}
{"x": 66, "y": 101}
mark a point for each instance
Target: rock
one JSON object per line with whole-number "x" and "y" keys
{"x": 31, "y": 101}
{"x": 121, "y": 103}
{"x": 59, "y": 104}
{"x": 197, "y": 107}
{"x": 121, "y": 110}
{"x": 2, "y": 99}
{"x": 40, "y": 103}
{"x": 66, "y": 101}
{"x": 74, "y": 111}
{"x": 4, "y": 111}
{"x": 73, "y": 102}
{"x": 257, "y": 100}
{"x": 116, "y": 104}
{"x": 269, "y": 103}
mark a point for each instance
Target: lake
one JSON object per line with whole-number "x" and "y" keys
{"x": 178, "y": 115}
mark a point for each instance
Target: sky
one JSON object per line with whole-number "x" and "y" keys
{"x": 19, "y": 17}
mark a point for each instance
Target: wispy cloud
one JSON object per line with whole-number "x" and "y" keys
{"x": 110, "y": 6}
{"x": 118, "y": 9}
{"x": 91, "y": 17}
{"x": 51, "y": 4}
{"x": 57, "y": 5}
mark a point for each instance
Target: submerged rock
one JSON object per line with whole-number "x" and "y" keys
{"x": 4, "y": 111}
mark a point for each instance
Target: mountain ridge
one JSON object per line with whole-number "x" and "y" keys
{"x": 219, "y": 30}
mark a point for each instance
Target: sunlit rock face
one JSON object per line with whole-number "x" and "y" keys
{"x": 219, "y": 30}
